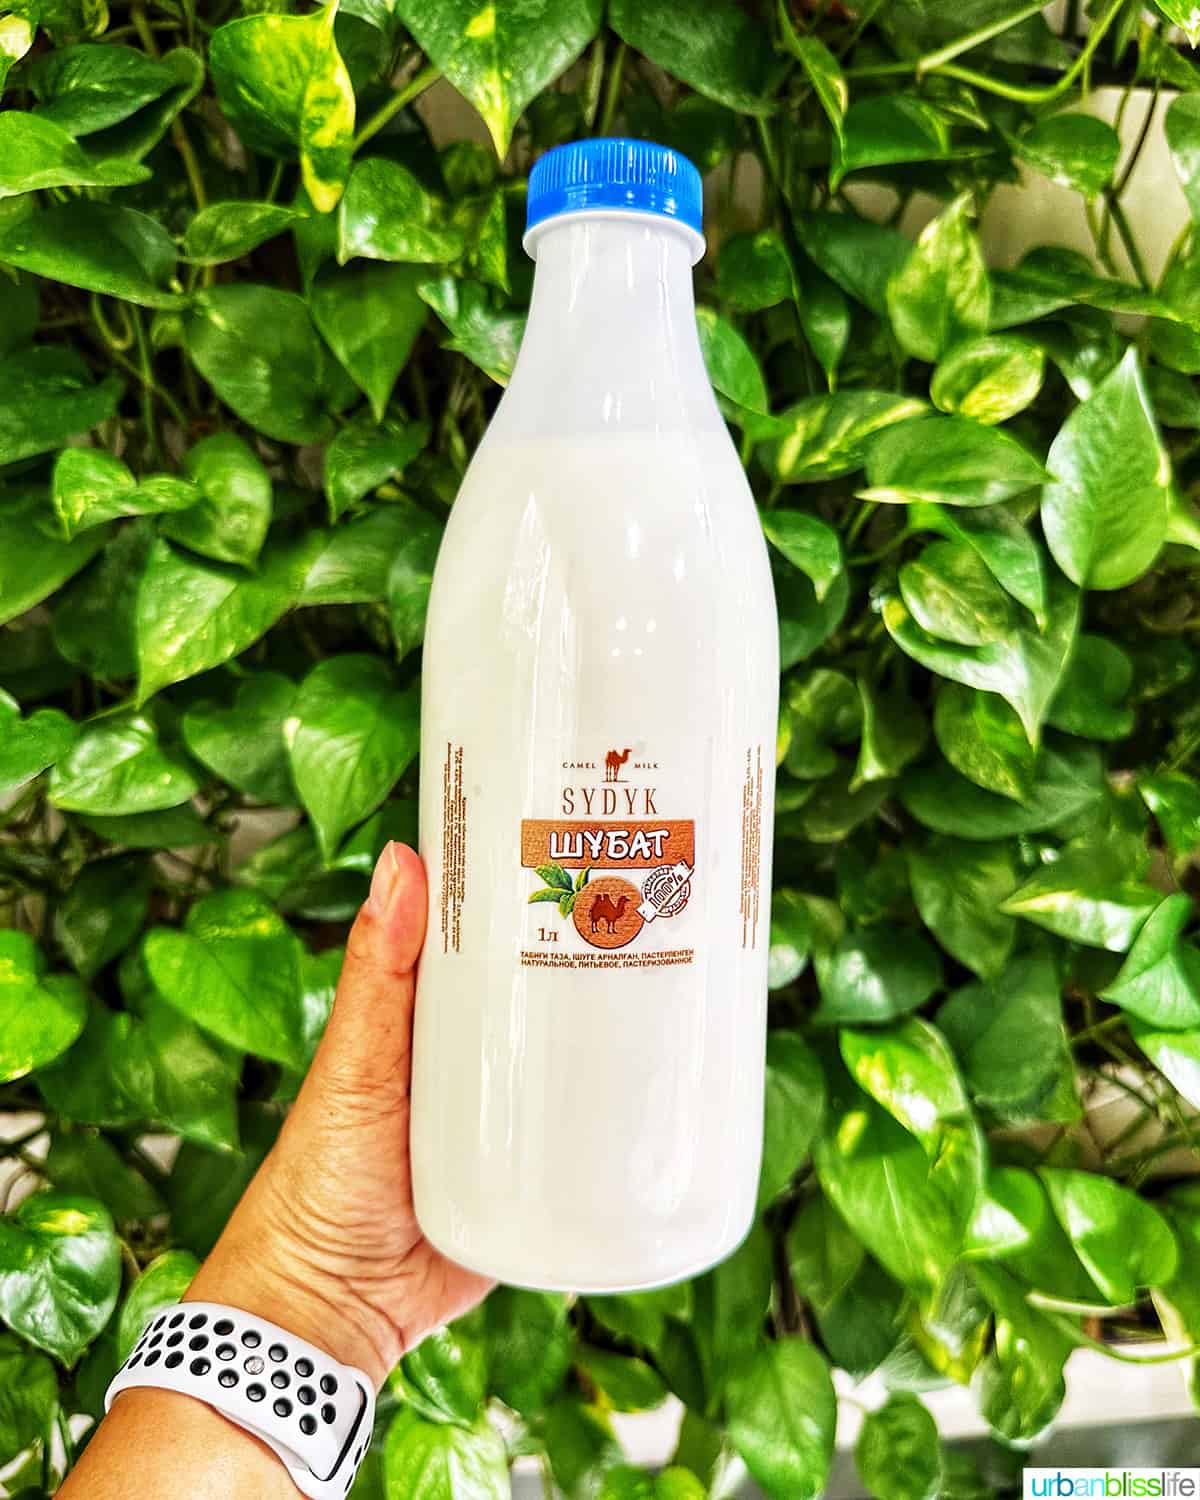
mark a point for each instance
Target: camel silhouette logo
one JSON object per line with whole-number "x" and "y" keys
{"x": 613, "y": 762}
{"x": 605, "y": 910}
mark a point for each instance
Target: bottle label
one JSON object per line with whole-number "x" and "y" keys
{"x": 608, "y": 878}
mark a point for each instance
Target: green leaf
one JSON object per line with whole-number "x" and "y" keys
{"x": 556, "y": 876}
{"x": 908, "y": 1069}
{"x": 1176, "y": 1055}
{"x": 36, "y": 153}
{"x": 722, "y": 54}
{"x": 1087, "y": 893}
{"x": 244, "y": 742}
{"x": 948, "y": 461}
{"x": 283, "y": 86}
{"x": 1174, "y": 799}
{"x": 193, "y": 614}
{"x": 409, "y": 581}
{"x": 910, "y": 1208}
{"x": 579, "y": 1444}
{"x": 445, "y": 1377}
{"x": 857, "y": 254}
{"x": 885, "y": 130}
{"x": 1076, "y": 151}
{"x": 941, "y": 295}
{"x": 730, "y": 1305}
{"x": 46, "y": 396}
{"x": 625, "y": 1383}
{"x": 1024, "y": 666}
{"x": 160, "y": 1285}
{"x": 1089, "y": 701}
{"x": 98, "y": 246}
{"x": 1159, "y": 982}
{"x": 175, "y": 828}
{"x": 366, "y": 454}
{"x": 103, "y": 912}
{"x": 351, "y": 735}
{"x": 795, "y": 1099}
{"x": 350, "y": 564}
{"x": 33, "y": 565}
{"x": 117, "y": 766}
{"x": 127, "y": 143}
{"x": 821, "y": 68}
{"x": 1015, "y": 560}
{"x": 823, "y": 437}
{"x": 370, "y": 316}
{"x": 1022, "y": 1385}
{"x": 30, "y": 746}
{"x": 732, "y": 367}
{"x": 823, "y": 1256}
{"x": 500, "y": 59}
{"x": 90, "y": 487}
{"x": 205, "y": 1186}
{"x": 28, "y": 1398}
{"x": 958, "y": 888}
{"x": 234, "y": 969}
{"x": 755, "y": 271}
{"x": 1182, "y": 130}
{"x": 791, "y": 938}
{"x": 782, "y": 1413}
{"x": 94, "y": 624}
{"x": 808, "y": 544}
{"x": 1105, "y": 511}
{"x": 257, "y": 348}
{"x": 1008, "y": 1035}
{"x": 988, "y": 379}
{"x": 89, "y": 86}
{"x": 1067, "y": 783}
{"x": 230, "y": 522}
{"x": 674, "y": 1483}
{"x": 177, "y": 1077}
{"x": 40, "y": 1015}
{"x": 60, "y": 1272}
{"x": 486, "y": 335}
{"x": 950, "y": 592}
{"x": 227, "y": 231}
{"x": 1050, "y": 278}
{"x": 1124, "y": 1242}
{"x": 894, "y": 732}
{"x": 386, "y": 214}
{"x": 873, "y": 975}
{"x": 529, "y": 1346}
{"x": 440, "y": 1461}
{"x": 898, "y": 1453}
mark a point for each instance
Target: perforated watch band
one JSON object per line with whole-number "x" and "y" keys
{"x": 315, "y": 1414}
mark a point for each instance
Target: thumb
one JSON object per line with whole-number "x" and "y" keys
{"x": 367, "y": 1044}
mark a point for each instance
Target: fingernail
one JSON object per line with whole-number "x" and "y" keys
{"x": 382, "y": 881}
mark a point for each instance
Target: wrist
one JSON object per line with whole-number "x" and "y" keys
{"x": 265, "y": 1276}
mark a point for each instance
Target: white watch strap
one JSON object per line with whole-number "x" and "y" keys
{"x": 315, "y": 1414}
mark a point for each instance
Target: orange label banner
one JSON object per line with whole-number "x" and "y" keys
{"x": 618, "y": 845}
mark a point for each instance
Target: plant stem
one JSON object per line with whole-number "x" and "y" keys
{"x": 595, "y": 80}
{"x": 612, "y": 91}
{"x": 930, "y": 62}
{"x": 415, "y": 86}
{"x": 146, "y": 370}
{"x": 1019, "y": 93}
{"x": 1120, "y": 219}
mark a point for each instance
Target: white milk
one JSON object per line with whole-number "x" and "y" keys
{"x": 600, "y": 694}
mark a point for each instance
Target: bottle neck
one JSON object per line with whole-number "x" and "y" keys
{"x": 611, "y": 342}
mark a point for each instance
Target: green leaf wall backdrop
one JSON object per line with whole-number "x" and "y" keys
{"x": 253, "y": 319}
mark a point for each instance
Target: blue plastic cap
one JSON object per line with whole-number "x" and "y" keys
{"x": 615, "y": 173}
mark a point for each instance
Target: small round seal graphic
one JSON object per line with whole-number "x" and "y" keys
{"x": 665, "y": 891}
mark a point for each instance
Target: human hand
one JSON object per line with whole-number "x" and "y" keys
{"x": 325, "y": 1241}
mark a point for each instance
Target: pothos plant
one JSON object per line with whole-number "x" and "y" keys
{"x": 253, "y": 320}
